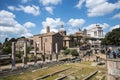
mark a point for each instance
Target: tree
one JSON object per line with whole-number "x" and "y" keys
{"x": 6, "y": 49}
{"x": 112, "y": 38}
{"x": 64, "y": 47}
{"x": 6, "y": 39}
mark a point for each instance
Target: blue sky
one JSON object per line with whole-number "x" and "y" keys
{"x": 30, "y": 17}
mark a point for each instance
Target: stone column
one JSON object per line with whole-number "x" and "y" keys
{"x": 56, "y": 48}
{"x": 13, "y": 67}
{"x": 51, "y": 52}
{"x": 0, "y": 69}
{"x": 25, "y": 55}
{"x": 43, "y": 54}
{"x": 35, "y": 54}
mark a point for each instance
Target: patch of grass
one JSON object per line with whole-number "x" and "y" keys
{"x": 97, "y": 76}
{"x": 32, "y": 75}
{"x": 83, "y": 69}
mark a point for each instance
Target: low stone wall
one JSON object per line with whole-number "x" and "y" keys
{"x": 113, "y": 69}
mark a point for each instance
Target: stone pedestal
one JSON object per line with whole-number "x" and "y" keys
{"x": 25, "y": 55}
{"x": 113, "y": 69}
{"x": 13, "y": 67}
{"x": 56, "y": 47}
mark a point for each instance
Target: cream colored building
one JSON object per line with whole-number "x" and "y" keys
{"x": 97, "y": 34}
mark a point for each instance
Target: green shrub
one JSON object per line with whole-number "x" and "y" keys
{"x": 66, "y": 52}
{"x": 64, "y": 47}
{"x": 74, "y": 53}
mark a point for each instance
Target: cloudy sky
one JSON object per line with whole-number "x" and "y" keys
{"x": 30, "y": 17}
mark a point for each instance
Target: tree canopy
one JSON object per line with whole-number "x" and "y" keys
{"x": 112, "y": 38}
{"x": 7, "y": 45}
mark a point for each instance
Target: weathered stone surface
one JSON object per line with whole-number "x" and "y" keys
{"x": 113, "y": 69}
{"x": 13, "y": 67}
{"x": 43, "y": 54}
{"x": 25, "y": 55}
{"x": 51, "y": 52}
{"x": 35, "y": 54}
{"x": 56, "y": 47}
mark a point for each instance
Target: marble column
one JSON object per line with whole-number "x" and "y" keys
{"x": 102, "y": 34}
{"x": 56, "y": 48}
{"x": 43, "y": 54}
{"x": 97, "y": 33}
{"x": 25, "y": 55}
{"x": 51, "y": 52}
{"x": 13, "y": 67}
{"x": 35, "y": 54}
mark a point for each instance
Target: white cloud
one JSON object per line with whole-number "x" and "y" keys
{"x": 99, "y": 7}
{"x": 114, "y": 27}
{"x": 12, "y": 8}
{"x": 79, "y": 5}
{"x": 8, "y": 25}
{"x": 29, "y": 25}
{"x": 35, "y": 10}
{"x": 53, "y": 23}
{"x": 49, "y": 9}
{"x": 117, "y": 16}
{"x": 50, "y": 2}
{"x": 76, "y": 22}
{"x": 71, "y": 30}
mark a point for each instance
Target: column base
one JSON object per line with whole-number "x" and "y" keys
{"x": 25, "y": 66}
{"x": 36, "y": 64}
{"x": 50, "y": 61}
{"x": 57, "y": 60}
{"x": 0, "y": 70}
{"x": 43, "y": 62}
{"x": 13, "y": 68}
